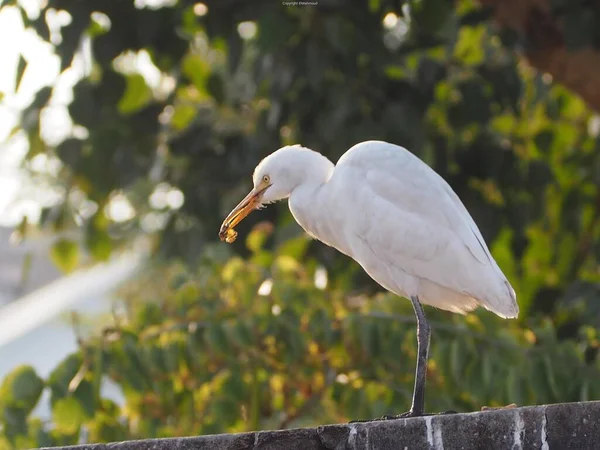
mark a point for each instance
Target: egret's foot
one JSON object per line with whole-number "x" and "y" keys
{"x": 405, "y": 415}
{"x": 493, "y": 408}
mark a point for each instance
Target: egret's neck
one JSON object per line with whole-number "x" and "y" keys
{"x": 311, "y": 196}
{"x": 311, "y": 170}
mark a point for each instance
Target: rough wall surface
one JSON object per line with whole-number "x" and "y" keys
{"x": 552, "y": 427}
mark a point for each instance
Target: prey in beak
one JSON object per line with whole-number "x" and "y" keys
{"x": 251, "y": 202}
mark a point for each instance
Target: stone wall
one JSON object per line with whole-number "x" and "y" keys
{"x": 552, "y": 427}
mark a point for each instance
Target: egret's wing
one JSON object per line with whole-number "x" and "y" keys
{"x": 421, "y": 192}
{"x": 403, "y": 181}
{"x": 409, "y": 217}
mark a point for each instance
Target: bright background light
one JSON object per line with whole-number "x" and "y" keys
{"x": 42, "y": 69}
{"x": 19, "y": 196}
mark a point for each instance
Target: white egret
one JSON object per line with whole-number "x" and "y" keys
{"x": 394, "y": 215}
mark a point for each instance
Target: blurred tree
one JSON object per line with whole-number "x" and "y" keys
{"x": 175, "y": 102}
{"x": 269, "y": 342}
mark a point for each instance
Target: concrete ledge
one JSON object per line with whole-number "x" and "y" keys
{"x": 552, "y": 427}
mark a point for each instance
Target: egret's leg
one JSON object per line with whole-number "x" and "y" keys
{"x": 423, "y": 337}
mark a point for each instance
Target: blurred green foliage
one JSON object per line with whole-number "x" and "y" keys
{"x": 236, "y": 344}
{"x": 200, "y": 351}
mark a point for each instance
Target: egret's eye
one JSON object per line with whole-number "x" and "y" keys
{"x": 266, "y": 179}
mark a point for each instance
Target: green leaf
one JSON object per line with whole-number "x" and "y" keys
{"x": 234, "y": 386}
{"x": 241, "y": 334}
{"x": 172, "y": 356}
{"x": 183, "y": 116}
{"x": 216, "y": 338}
{"x": 21, "y": 389}
{"x": 36, "y": 144}
{"x": 395, "y": 72}
{"x": 85, "y": 395}
{"x": 60, "y": 378}
{"x": 543, "y": 140}
{"x": 194, "y": 346}
{"x": 20, "y": 71}
{"x": 354, "y": 399}
{"x": 99, "y": 244}
{"x": 188, "y": 293}
{"x": 196, "y": 70}
{"x": 295, "y": 247}
{"x": 468, "y": 47}
{"x": 41, "y": 98}
{"x": 40, "y": 437}
{"x": 225, "y": 410}
{"x": 107, "y": 429}
{"x": 68, "y": 415}
{"x": 256, "y": 238}
{"x": 262, "y": 258}
{"x": 137, "y": 372}
{"x": 155, "y": 354}
{"x": 149, "y": 314}
{"x": 65, "y": 255}
{"x": 137, "y": 94}
{"x": 216, "y": 87}
{"x": 14, "y": 421}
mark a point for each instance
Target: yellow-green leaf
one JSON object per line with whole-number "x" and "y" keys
{"x": 99, "y": 244}
{"x": 468, "y": 47}
{"x": 65, "y": 254}
{"x": 182, "y": 116}
{"x": 137, "y": 94}
{"x": 67, "y": 415}
{"x": 197, "y": 70}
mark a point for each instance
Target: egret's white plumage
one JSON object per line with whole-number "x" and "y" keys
{"x": 395, "y": 216}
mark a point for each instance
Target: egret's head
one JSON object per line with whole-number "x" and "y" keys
{"x": 278, "y": 174}
{"x": 274, "y": 179}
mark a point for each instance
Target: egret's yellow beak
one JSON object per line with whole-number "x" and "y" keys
{"x": 239, "y": 213}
